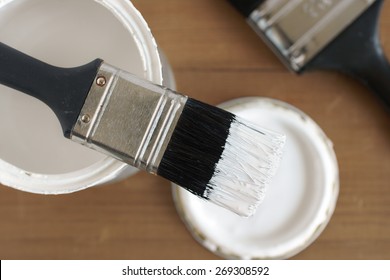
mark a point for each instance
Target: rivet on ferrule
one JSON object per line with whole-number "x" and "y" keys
{"x": 101, "y": 81}
{"x": 85, "y": 118}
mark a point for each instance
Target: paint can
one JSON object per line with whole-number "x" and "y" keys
{"x": 34, "y": 155}
{"x": 298, "y": 204}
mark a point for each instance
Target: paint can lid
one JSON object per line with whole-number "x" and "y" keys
{"x": 298, "y": 204}
{"x": 34, "y": 155}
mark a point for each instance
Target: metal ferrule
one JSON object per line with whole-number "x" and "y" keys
{"x": 297, "y": 30}
{"x": 128, "y": 118}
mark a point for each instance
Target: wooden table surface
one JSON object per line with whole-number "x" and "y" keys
{"x": 216, "y": 57}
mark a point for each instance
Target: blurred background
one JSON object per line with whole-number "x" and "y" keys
{"x": 216, "y": 57}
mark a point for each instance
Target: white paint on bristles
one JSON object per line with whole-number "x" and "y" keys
{"x": 248, "y": 162}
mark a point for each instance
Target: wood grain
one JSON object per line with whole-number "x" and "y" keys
{"x": 216, "y": 57}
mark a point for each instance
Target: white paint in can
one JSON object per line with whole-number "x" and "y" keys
{"x": 34, "y": 155}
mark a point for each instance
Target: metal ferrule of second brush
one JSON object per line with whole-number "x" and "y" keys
{"x": 128, "y": 118}
{"x": 298, "y": 30}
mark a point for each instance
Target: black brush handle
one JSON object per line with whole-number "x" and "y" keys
{"x": 374, "y": 72}
{"x": 63, "y": 89}
{"x": 357, "y": 52}
{"x": 246, "y": 7}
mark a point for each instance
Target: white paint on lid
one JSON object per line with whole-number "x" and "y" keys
{"x": 299, "y": 201}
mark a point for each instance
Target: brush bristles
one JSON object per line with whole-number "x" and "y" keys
{"x": 221, "y": 158}
{"x": 248, "y": 162}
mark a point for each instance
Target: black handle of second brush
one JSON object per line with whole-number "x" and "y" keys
{"x": 373, "y": 70}
{"x": 357, "y": 52}
{"x": 63, "y": 89}
{"x": 246, "y": 7}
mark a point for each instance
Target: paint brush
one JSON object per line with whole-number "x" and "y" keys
{"x": 340, "y": 35}
{"x": 206, "y": 150}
